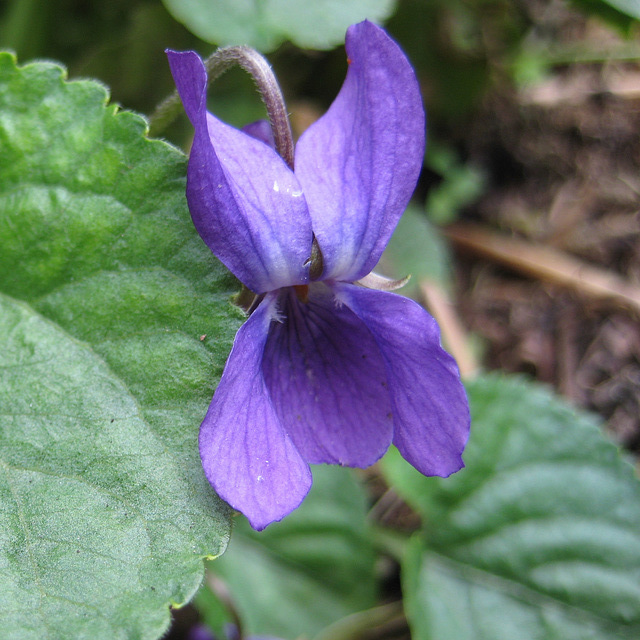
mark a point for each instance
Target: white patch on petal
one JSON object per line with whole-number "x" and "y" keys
{"x": 275, "y": 312}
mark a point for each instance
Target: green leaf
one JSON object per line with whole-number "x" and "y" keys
{"x": 461, "y": 186}
{"x": 95, "y": 237}
{"x": 622, "y": 13}
{"x": 264, "y": 24}
{"x": 83, "y": 486}
{"x": 306, "y": 572}
{"x": 628, "y": 7}
{"x": 417, "y": 249}
{"x": 538, "y": 537}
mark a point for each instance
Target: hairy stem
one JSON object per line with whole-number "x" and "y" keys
{"x": 258, "y": 68}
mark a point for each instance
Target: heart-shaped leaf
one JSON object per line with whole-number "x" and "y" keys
{"x": 538, "y": 537}
{"x": 264, "y": 24}
{"x": 116, "y": 327}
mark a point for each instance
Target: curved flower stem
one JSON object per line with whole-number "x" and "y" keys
{"x": 258, "y": 68}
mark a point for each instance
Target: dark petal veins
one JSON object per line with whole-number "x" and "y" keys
{"x": 327, "y": 381}
{"x": 430, "y": 407}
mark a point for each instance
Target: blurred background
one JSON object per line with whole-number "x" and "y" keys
{"x": 528, "y": 202}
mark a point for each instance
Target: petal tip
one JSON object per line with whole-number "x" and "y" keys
{"x": 262, "y": 513}
{"x": 190, "y": 77}
{"x": 453, "y": 466}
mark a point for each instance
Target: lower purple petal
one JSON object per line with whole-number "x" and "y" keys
{"x": 430, "y": 407}
{"x": 327, "y": 380}
{"x": 246, "y": 454}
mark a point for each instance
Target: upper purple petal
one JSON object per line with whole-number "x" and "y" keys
{"x": 261, "y": 130}
{"x": 327, "y": 380}
{"x": 429, "y": 404}
{"x": 358, "y": 164}
{"x": 246, "y": 454}
{"x": 245, "y": 202}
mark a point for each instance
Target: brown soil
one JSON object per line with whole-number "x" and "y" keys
{"x": 564, "y": 159}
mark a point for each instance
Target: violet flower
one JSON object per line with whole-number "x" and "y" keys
{"x": 324, "y": 370}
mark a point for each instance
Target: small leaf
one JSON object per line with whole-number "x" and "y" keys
{"x": 306, "y": 572}
{"x": 417, "y": 249}
{"x": 538, "y": 537}
{"x": 613, "y": 10}
{"x": 264, "y": 24}
{"x": 462, "y": 185}
{"x": 95, "y": 237}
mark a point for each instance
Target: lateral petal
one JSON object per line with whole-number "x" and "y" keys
{"x": 327, "y": 381}
{"x": 359, "y": 163}
{"x": 429, "y": 404}
{"x": 246, "y": 204}
{"x": 246, "y": 454}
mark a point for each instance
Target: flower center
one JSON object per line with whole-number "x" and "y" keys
{"x": 302, "y": 292}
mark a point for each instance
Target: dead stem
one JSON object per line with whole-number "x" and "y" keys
{"x": 453, "y": 332}
{"x": 547, "y": 264}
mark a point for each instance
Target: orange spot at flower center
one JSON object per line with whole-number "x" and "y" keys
{"x": 302, "y": 291}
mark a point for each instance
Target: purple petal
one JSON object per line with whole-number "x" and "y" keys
{"x": 245, "y": 202}
{"x": 200, "y": 632}
{"x": 261, "y": 130}
{"x": 430, "y": 408}
{"x": 327, "y": 381}
{"x": 246, "y": 454}
{"x": 359, "y": 163}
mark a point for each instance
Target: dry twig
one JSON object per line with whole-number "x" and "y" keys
{"x": 547, "y": 264}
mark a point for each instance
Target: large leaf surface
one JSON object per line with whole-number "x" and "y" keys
{"x": 538, "y": 537}
{"x": 109, "y": 293}
{"x": 264, "y": 24}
